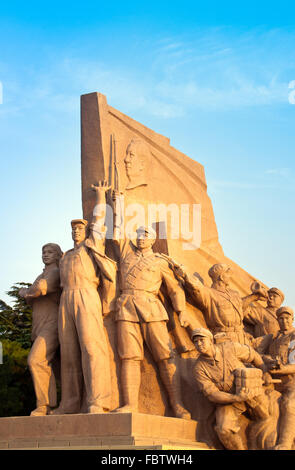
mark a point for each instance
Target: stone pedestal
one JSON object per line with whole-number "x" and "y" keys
{"x": 98, "y": 431}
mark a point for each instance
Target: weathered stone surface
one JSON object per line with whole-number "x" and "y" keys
{"x": 98, "y": 431}
{"x": 223, "y": 375}
{"x": 44, "y": 295}
{"x": 167, "y": 177}
{"x": 173, "y": 329}
{"x": 172, "y": 178}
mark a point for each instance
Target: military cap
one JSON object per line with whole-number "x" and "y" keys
{"x": 201, "y": 332}
{"x": 218, "y": 269}
{"x": 149, "y": 230}
{"x": 277, "y": 291}
{"x": 282, "y": 310}
{"x": 79, "y": 221}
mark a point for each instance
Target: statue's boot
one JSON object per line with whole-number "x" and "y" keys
{"x": 57, "y": 411}
{"x": 130, "y": 383}
{"x": 95, "y": 409}
{"x": 287, "y": 432}
{"x": 41, "y": 411}
{"x": 230, "y": 440}
{"x": 64, "y": 411}
{"x": 172, "y": 384}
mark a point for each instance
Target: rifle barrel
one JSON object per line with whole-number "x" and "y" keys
{"x": 116, "y": 173}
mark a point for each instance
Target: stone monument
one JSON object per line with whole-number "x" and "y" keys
{"x": 117, "y": 148}
{"x": 165, "y": 342}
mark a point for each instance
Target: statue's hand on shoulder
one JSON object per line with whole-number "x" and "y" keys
{"x": 180, "y": 272}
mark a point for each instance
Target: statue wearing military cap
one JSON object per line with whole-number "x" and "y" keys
{"x": 222, "y": 307}
{"x": 275, "y": 290}
{"x": 217, "y": 270}
{"x": 285, "y": 309}
{"x": 148, "y": 232}
{"x": 279, "y": 355}
{"x": 79, "y": 222}
{"x": 83, "y": 342}
{"x": 263, "y": 320}
{"x": 141, "y": 317}
{"x": 201, "y": 332}
{"x": 215, "y": 375}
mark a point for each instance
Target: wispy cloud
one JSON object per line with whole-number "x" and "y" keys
{"x": 270, "y": 179}
{"x": 243, "y": 185}
{"x": 213, "y": 70}
{"x": 281, "y": 172}
{"x": 220, "y": 71}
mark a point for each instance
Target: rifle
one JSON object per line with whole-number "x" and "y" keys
{"x": 117, "y": 207}
{"x": 116, "y": 173}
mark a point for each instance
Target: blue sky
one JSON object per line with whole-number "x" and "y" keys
{"x": 214, "y": 78}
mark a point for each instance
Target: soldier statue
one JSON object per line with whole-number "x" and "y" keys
{"x": 141, "y": 317}
{"x": 279, "y": 350}
{"x": 264, "y": 319}
{"x": 222, "y": 307}
{"x": 215, "y": 373}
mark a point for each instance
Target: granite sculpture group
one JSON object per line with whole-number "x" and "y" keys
{"x": 240, "y": 355}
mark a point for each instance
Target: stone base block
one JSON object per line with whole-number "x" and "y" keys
{"x": 98, "y": 431}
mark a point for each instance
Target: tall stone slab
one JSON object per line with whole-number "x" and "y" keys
{"x": 169, "y": 178}
{"x": 172, "y": 178}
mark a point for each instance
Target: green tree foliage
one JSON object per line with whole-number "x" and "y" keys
{"x": 16, "y": 389}
{"x": 16, "y": 320}
{"x": 17, "y": 397}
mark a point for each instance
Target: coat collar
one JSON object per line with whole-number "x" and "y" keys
{"x": 216, "y": 358}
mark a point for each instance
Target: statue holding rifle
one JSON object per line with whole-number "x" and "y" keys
{"x": 141, "y": 316}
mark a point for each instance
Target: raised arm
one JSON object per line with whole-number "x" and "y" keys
{"x": 121, "y": 242}
{"x": 97, "y": 226}
{"x": 100, "y": 207}
{"x": 176, "y": 293}
{"x": 118, "y": 217}
{"x": 251, "y": 313}
{"x": 194, "y": 286}
{"x": 258, "y": 293}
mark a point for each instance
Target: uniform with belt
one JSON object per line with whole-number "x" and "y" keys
{"x": 139, "y": 310}
{"x": 263, "y": 319}
{"x": 141, "y": 317}
{"x": 215, "y": 374}
{"x": 281, "y": 347}
{"x": 222, "y": 309}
